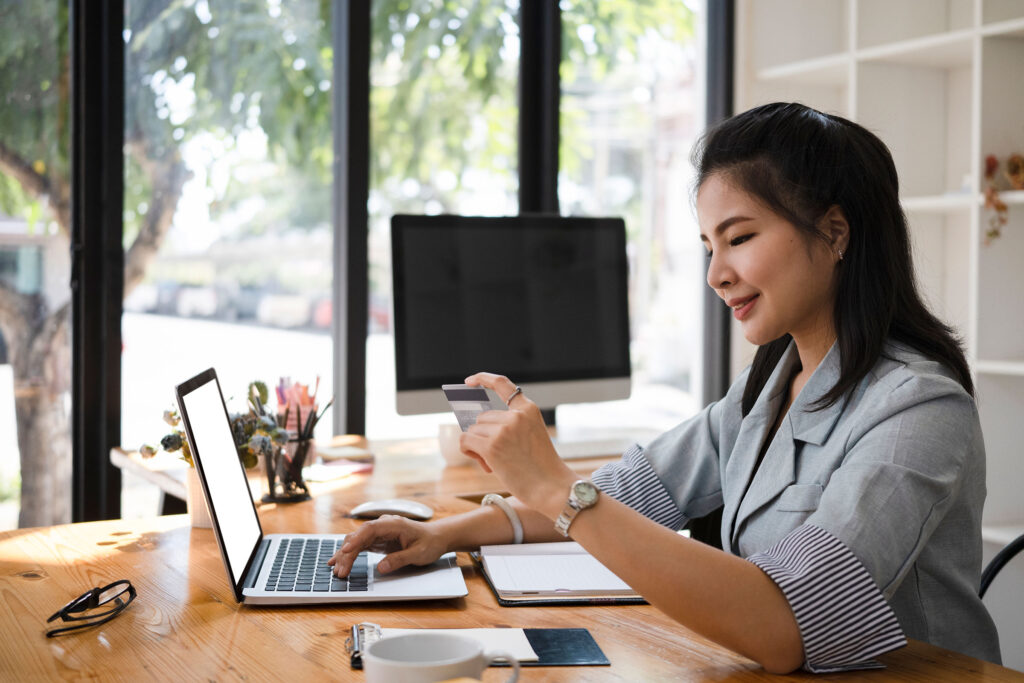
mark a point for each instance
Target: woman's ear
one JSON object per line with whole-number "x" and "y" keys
{"x": 836, "y": 229}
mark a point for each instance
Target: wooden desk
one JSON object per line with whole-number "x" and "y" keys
{"x": 185, "y": 624}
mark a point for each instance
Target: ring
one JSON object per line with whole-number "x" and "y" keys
{"x": 508, "y": 401}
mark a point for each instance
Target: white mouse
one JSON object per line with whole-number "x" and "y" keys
{"x": 393, "y": 506}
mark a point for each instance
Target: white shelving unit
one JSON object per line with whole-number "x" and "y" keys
{"x": 939, "y": 81}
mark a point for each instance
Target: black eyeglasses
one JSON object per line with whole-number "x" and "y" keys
{"x": 111, "y": 596}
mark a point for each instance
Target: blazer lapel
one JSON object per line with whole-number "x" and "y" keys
{"x": 753, "y": 431}
{"x": 779, "y": 468}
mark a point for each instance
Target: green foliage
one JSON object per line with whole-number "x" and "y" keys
{"x": 215, "y": 71}
{"x": 439, "y": 69}
{"x": 14, "y": 201}
{"x": 35, "y": 104}
{"x": 260, "y": 390}
{"x": 598, "y": 34}
{"x": 10, "y": 488}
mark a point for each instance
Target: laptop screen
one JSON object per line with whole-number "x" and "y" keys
{"x": 213, "y": 448}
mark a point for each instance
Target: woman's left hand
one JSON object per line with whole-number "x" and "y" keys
{"x": 515, "y": 445}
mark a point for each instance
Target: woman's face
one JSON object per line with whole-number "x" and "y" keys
{"x": 775, "y": 279}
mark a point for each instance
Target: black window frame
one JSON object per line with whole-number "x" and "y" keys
{"x": 97, "y": 49}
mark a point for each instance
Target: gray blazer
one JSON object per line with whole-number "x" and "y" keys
{"x": 896, "y": 471}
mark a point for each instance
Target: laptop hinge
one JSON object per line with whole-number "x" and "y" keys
{"x": 257, "y": 564}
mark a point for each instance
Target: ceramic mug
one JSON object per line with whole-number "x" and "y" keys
{"x": 430, "y": 657}
{"x": 448, "y": 436}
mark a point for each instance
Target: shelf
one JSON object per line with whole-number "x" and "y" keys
{"x": 940, "y": 203}
{"x": 1000, "y": 367}
{"x": 1013, "y": 28}
{"x": 1011, "y": 197}
{"x": 1001, "y": 534}
{"x": 945, "y": 50}
{"x": 955, "y": 201}
{"x": 830, "y": 70}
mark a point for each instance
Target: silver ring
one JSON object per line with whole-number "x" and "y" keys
{"x": 508, "y": 401}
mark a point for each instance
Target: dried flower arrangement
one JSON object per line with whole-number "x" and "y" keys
{"x": 1014, "y": 175}
{"x": 256, "y": 432}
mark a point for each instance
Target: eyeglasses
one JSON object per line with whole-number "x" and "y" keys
{"x": 93, "y": 599}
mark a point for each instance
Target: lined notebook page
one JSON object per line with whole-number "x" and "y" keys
{"x": 554, "y": 568}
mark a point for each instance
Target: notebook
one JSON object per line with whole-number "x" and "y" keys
{"x": 284, "y": 569}
{"x": 550, "y": 574}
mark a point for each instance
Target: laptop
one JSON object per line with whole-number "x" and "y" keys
{"x": 284, "y": 569}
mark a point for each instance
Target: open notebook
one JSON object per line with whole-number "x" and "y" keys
{"x": 550, "y": 573}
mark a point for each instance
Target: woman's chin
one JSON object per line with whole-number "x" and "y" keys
{"x": 756, "y": 336}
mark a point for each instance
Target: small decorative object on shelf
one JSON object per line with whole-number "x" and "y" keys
{"x": 1014, "y": 175}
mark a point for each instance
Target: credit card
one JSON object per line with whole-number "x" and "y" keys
{"x": 468, "y": 402}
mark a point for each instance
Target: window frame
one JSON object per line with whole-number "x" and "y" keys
{"x": 97, "y": 53}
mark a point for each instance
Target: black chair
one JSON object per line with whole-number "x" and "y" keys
{"x": 999, "y": 561}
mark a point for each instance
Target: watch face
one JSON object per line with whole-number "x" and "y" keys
{"x": 585, "y": 492}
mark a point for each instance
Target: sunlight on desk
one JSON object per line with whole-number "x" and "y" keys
{"x": 185, "y": 623}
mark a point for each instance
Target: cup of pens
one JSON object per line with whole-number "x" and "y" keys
{"x": 299, "y": 413}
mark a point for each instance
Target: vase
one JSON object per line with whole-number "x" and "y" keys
{"x": 196, "y": 501}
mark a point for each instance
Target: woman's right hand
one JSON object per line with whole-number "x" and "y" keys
{"x": 403, "y": 541}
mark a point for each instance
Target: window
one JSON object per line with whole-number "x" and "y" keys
{"x": 632, "y": 106}
{"x": 443, "y": 122}
{"x": 228, "y": 178}
{"x": 228, "y": 236}
{"x": 35, "y": 220}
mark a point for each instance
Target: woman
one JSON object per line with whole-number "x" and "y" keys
{"x": 848, "y": 458}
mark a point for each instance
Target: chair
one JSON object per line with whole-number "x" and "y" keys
{"x": 999, "y": 561}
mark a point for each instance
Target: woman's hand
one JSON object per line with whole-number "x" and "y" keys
{"x": 515, "y": 445}
{"x": 404, "y": 541}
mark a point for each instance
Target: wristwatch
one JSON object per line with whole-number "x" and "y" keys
{"x": 582, "y": 495}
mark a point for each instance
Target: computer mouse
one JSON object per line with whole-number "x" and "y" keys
{"x": 393, "y": 506}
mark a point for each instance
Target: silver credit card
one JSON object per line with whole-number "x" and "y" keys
{"x": 468, "y": 402}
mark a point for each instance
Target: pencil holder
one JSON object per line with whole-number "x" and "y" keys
{"x": 284, "y": 473}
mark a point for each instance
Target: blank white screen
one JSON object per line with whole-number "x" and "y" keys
{"x": 225, "y": 478}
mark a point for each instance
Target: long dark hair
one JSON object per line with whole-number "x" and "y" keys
{"x": 801, "y": 162}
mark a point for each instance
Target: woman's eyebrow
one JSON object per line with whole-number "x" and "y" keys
{"x": 721, "y": 227}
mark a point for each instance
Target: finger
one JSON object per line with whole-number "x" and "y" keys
{"x": 502, "y": 386}
{"x": 359, "y": 540}
{"x": 494, "y": 417}
{"x": 396, "y": 560}
{"x": 474, "y": 447}
{"x": 483, "y": 463}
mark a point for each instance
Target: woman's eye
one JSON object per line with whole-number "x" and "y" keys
{"x": 736, "y": 241}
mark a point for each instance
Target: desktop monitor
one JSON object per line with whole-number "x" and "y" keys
{"x": 541, "y": 299}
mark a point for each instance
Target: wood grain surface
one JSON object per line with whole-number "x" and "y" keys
{"x": 186, "y": 625}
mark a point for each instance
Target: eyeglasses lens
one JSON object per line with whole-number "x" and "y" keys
{"x": 111, "y": 592}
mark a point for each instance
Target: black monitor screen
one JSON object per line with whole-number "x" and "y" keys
{"x": 536, "y": 298}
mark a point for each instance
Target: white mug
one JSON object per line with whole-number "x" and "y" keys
{"x": 448, "y": 436}
{"x": 429, "y": 657}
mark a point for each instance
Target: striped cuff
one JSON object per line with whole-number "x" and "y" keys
{"x": 843, "y": 618}
{"x": 634, "y": 482}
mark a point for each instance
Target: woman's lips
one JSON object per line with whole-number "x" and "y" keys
{"x": 741, "y": 307}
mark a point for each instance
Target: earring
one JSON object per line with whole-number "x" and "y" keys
{"x": 840, "y": 254}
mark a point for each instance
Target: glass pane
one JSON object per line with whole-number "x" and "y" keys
{"x": 227, "y": 209}
{"x": 632, "y": 107}
{"x": 35, "y": 220}
{"x": 443, "y": 122}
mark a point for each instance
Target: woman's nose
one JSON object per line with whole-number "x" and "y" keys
{"x": 720, "y": 274}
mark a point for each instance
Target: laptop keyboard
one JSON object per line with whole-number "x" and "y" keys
{"x": 301, "y": 565}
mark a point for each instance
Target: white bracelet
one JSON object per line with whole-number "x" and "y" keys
{"x": 513, "y": 518}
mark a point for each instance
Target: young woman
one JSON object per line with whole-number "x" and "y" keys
{"x": 848, "y": 459}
